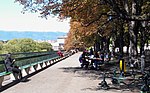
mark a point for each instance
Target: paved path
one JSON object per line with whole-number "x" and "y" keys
{"x": 63, "y": 77}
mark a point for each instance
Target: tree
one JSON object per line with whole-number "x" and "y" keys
{"x": 1, "y": 45}
{"x": 25, "y": 45}
{"x": 11, "y": 46}
{"x": 44, "y": 46}
{"x": 80, "y": 35}
{"x": 135, "y": 13}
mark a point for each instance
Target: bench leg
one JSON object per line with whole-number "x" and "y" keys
{"x": 44, "y": 64}
{"x": 1, "y": 80}
{"x": 35, "y": 67}
{"x": 32, "y": 69}
{"x": 41, "y": 64}
{"x": 27, "y": 70}
{"x": 14, "y": 76}
{"x": 39, "y": 67}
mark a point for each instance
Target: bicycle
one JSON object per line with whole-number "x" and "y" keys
{"x": 145, "y": 88}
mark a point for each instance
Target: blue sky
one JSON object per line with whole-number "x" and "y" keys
{"x": 11, "y": 19}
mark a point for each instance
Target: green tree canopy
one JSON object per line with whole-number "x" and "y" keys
{"x": 25, "y": 45}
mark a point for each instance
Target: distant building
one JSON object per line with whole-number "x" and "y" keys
{"x": 59, "y": 44}
{"x": 4, "y": 41}
{"x": 48, "y": 41}
{"x": 56, "y": 44}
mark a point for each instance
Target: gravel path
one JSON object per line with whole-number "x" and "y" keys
{"x": 63, "y": 77}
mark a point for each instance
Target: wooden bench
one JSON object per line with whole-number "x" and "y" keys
{"x": 2, "y": 74}
{"x": 34, "y": 65}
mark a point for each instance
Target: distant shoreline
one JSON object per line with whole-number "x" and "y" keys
{"x": 8, "y": 35}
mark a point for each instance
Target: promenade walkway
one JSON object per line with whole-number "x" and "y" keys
{"x": 63, "y": 77}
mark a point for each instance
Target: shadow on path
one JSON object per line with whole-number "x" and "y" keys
{"x": 90, "y": 73}
{"x": 98, "y": 75}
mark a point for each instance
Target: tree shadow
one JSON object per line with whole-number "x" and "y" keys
{"x": 82, "y": 72}
{"x": 98, "y": 75}
{"x": 112, "y": 88}
{"x": 90, "y": 73}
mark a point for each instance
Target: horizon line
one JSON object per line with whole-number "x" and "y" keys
{"x": 30, "y": 31}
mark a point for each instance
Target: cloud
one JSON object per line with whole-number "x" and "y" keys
{"x": 31, "y": 22}
{"x": 14, "y": 20}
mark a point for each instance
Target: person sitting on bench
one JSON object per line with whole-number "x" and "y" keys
{"x": 98, "y": 59}
{"x": 9, "y": 64}
{"x": 83, "y": 61}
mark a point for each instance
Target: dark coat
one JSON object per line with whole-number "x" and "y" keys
{"x": 9, "y": 62}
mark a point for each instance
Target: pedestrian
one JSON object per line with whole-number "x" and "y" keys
{"x": 60, "y": 53}
{"x": 10, "y": 67}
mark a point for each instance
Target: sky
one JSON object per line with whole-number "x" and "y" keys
{"x": 11, "y": 19}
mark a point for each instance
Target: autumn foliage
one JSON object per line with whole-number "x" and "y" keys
{"x": 96, "y": 21}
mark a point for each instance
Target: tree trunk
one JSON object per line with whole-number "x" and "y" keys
{"x": 128, "y": 44}
{"x": 113, "y": 47}
{"x": 134, "y": 28}
{"x": 97, "y": 43}
{"x": 142, "y": 43}
{"x": 121, "y": 39}
{"x": 107, "y": 45}
{"x": 97, "y": 46}
{"x": 102, "y": 44}
{"x": 133, "y": 39}
{"x": 142, "y": 38}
